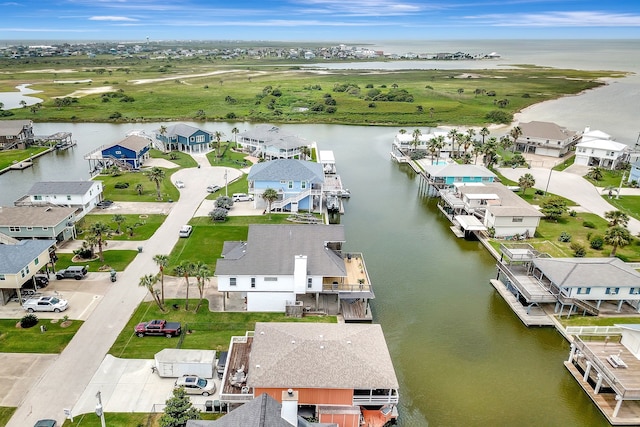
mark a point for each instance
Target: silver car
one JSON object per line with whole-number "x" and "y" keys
{"x": 193, "y": 384}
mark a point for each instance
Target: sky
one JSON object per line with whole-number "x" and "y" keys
{"x": 317, "y": 20}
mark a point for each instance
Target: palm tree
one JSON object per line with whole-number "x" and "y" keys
{"x": 617, "y": 237}
{"x": 139, "y": 189}
{"x": 156, "y": 175}
{"x": 466, "y": 142}
{"x": 185, "y": 269}
{"x": 489, "y": 150}
{"x": 269, "y": 195}
{"x": 596, "y": 173}
{"x": 148, "y": 281}
{"x": 526, "y": 181}
{"x": 416, "y": 138}
{"x": 100, "y": 231}
{"x": 118, "y": 219}
{"x": 402, "y": 131}
{"x": 163, "y": 132}
{"x": 305, "y": 151}
{"x": 431, "y": 111}
{"x": 453, "y": 135}
{"x": 505, "y": 142}
{"x": 217, "y": 135}
{"x": 435, "y": 145}
{"x": 203, "y": 275}
{"x": 477, "y": 150}
{"x": 235, "y": 133}
{"x": 484, "y": 132}
{"x": 617, "y": 218}
{"x": 471, "y": 132}
{"x": 162, "y": 261}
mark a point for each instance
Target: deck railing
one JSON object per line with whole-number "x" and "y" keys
{"x": 593, "y": 330}
{"x": 522, "y": 289}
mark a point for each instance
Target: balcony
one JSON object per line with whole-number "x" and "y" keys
{"x": 356, "y": 280}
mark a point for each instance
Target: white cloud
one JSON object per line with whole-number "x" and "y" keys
{"x": 559, "y": 19}
{"x": 112, "y": 18}
{"x": 361, "y": 7}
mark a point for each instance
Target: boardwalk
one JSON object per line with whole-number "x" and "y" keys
{"x": 534, "y": 316}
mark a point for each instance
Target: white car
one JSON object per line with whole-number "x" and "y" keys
{"x": 213, "y": 188}
{"x": 45, "y": 304}
{"x": 242, "y": 197}
{"x": 193, "y": 384}
{"x": 179, "y": 184}
{"x": 185, "y": 231}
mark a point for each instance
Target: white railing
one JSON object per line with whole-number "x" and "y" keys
{"x": 236, "y": 397}
{"x": 593, "y": 330}
{"x": 279, "y": 204}
{"x": 375, "y": 400}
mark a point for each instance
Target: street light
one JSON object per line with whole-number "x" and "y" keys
{"x": 621, "y": 181}
{"x": 548, "y": 181}
{"x": 100, "y": 409}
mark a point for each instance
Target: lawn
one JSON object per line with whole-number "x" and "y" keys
{"x": 183, "y": 160}
{"x": 168, "y": 191}
{"x": 5, "y": 414}
{"x": 125, "y": 419}
{"x": 212, "y": 235}
{"x": 230, "y": 158}
{"x": 565, "y": 164}
{"x": 9, "y": 157}
{"x": 609, "y": 178}
{"x": 31, "y": 340}
{"x": 210, "y": 330}
{"x": 240, "y": 185}
{"x": 142, "y": 226}
{"x": 627, "y": 204}
{"x": 598, "y": 321}
{"x": 117, "y": 260}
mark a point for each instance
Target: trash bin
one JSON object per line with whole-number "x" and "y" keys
{"x": 139, "y": 249}
{"x": 208, "y": 406}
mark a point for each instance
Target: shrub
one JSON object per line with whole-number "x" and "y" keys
{"x": 329, "y": 101}
{"x": 121, "y": 185}
{"x": 115, "y": 115}
{"x": 596, "y": 243}
{"x": 29, "y": 321}
{"x": 588, "y": 224}
{"x": 224, "y": 202}
{"x": 539, "y": 193}
{"x": 231, "y": 116}
{"x": 564, "y": 237}
{"x": 372, "y": 105}
{"x": 499, "y": 117}
{"x": 579, "y": 251}
{"x": 330, "y": 109}
{"x": 573, "y": 213}
{"x": 218, "y": 214}
{"x": 317, "y": 107}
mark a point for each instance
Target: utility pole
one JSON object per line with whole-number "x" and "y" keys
{"x": 100, "y": 410}
{"x": 621, "y": 181}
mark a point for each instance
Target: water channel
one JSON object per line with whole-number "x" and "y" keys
{"x": 461, "y": 356}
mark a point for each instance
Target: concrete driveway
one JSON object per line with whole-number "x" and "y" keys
{"x": 573, "y": 187}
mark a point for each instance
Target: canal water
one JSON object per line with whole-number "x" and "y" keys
{"x": 461, "y": 356}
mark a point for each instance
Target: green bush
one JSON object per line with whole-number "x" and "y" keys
{"x": 588, "y": 224}
{"x": 29, "y": 321}
{"x": 121, "y": 185}
{"x": 579, "y": 251}
{"x": 573, "y": 213}
{"x": 564, "y": 237}
{"x": 596, "y": 243}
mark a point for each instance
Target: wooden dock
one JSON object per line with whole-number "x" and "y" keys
{"x": 21, "y": 165}
{"x": 356, "y": 311}
{"x": 535, "y": 317}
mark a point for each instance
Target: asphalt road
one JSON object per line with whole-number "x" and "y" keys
{"x": 63, "y": 383}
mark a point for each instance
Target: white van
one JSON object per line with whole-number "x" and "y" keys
{"x": 185, "y": 231}
{"x": 242, "y": 197}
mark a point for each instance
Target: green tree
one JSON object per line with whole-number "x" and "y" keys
{"x": 617, "y": 218}
{"x": 618, "y": 237}
{"x": 596, "y": 173}
{"x": 217, "y": 135}
{"x": 489, "y": 150}
{"x": 554, "y": 208}
{"x": 156, "y": 175}
{"x": 203, "y": 276}
{"x": 416, "y": 138}
{"x": 305, "y": 151}
{"x": 139, "y": 189}
{"x": 149, "y": 281}
{"x": 526, "y": 181}
{"x": 101, "y": 231}
{"x": 515, "y": 133}
{"x": 178, "y": 410}
{"x": 119, "y": 219}
{"x": 235, "y": 133}
{"x": 163, "y": 132}
{"x": 162, "y": 261}
{"x": 185, "y": 269}
{"x": 435, "y": 145}
{"x": 269, "y": 195}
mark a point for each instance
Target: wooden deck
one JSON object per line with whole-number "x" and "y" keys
{"x": 238, "y": 357}
{"x": 535, "y": 317}
{"x": 356, "y": 311}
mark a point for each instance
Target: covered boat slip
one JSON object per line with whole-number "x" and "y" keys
{"x": 613, "y": 386}
{"x": 467, "y": 226}
{"x": 531, "y": 315}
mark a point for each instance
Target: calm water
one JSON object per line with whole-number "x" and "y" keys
{"x": 461, "y": 356}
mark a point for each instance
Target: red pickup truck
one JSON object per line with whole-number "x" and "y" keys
{"x": 159, "y": 327}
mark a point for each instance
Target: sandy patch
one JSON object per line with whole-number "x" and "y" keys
{"x": 163, "y": 163}
{"x": 183, "y": 76}
{"x": 90, "y": 91}
{"x": 72, "y": 82}
{"x": 468, "y": 76}
{"x": 52, "y": 70}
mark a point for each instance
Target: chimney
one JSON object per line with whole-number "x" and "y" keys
{"x": 289, "y": 411}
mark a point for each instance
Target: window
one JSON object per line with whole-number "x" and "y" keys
{"x": 309, "y": 282}
{"x": 36, "y": 261}
{"x": 584, "y": 291}
{"x": 303, "y": 184}
{"x": 2, "y": 277}
{"x": 232, "y": 281}
{"x": 29, "y": 228}
{"x": 26, "y": 270}
{"x": 37, "y": 197}
{"x": 283, "y": 182}
{"x": 612, "y": 291}
{"x": 253, "y": 282}
{"x": 14, "y": 228}
{"x": 517, "y": 219}
{"x": 200, "y": 138}
{"x": 68, "y": 197}
{"x": 192, "y": 139}
{"x": 118, "y": 152}
{"x": 270, "y": 279}
{"x": 45, "y": 228}
{"x": 290, "y": 185}
{"x": 634, "y": 291}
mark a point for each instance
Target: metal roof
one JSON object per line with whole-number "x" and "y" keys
{"x": 287, "y": 170}
{"x": 457, "y": 170}
{"x": 13, "y": 127}
{"x": 273, "y": 136}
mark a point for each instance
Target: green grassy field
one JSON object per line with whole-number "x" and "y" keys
{"x": 209, "y": 330}
{"x": 117, "y": 260}
{"x": 5, "y": 414}
{"x": 123, "y": 419}
{"x": 31, "y": 340}
{"x": 143, "y": 225}
{"x": 269, "y": 92}
{"x": 9, "y": 157}
{"x": 627, "y": 204}
{"x": 183, "y": 160}
{"x": 130, "y": 194}
{"x": 609, "y": 179}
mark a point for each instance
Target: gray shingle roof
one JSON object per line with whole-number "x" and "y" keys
{"x": 320, "y": 355}
{"x": 544, "y": 130}
{"x": 13, "y": 127}
{"x": 60, "y": 187}
{"x": 588, "y": 272}
{"x": 134, "y": 143}
{"x": 274, "y": 136}
{"x": 14, "y": 258}
{"x": 33, "y": 216}
{"x": 288, "y": 170}
{"x": 271, "y": 249}
{"x": 181, "y": 130}
{"x": 263, "y": 411}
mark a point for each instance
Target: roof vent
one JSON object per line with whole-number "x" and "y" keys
{"x": 321, "y": 347}
{"x": 293, "y": 341}
{"x": 290, "y": 392}
{"x": 348, "y": 342}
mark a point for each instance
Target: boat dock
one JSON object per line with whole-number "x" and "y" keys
{"x": 530, "y": 316}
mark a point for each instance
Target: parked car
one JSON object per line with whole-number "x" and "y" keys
{"x": 213, "y": 188}
{"x": 222, "y": 362}
{"x": 185, "y": 231}
{"x": 158, "y": 327}
{"x": 193, "y": 384}
{"x": 72, "y": 272}
{"x": 46, "y": 303}
{"x": 41, "y": 280}
{"x": 242, "y": 197}
{"x": 45, "y": 423}
{"x": 104, "y": 204}
{"x": 179, "y": 184}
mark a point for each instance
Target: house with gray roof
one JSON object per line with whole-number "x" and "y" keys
{"x": 81, "y": 195}
{"x": 343, "y": 371}
{"x": 596, "y": 148}
{"x": 16, "y": 134}
{"x": 182, "y": 137}
{"x": 546, "y": 139}
{"x": 278, "y": 265}
{"x": 299, "y": 184}
{"x": 38, "y": 222}
{"x": 20, "y": 262}
{"x": 129, "y": 153}
{"x": 271, "y": 142}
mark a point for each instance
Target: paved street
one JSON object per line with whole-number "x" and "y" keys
{"x": 66, "y": 379}
{"x": 572, "y": 186}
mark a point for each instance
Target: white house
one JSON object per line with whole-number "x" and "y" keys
{"x": 406, "y": 141}
{"x": 271, "y": 142}
{"x": 278, "y": 263}
{"x": 546, "y": 139}
{"x": 599, "y": 149}
{"x": 82, "y": 195}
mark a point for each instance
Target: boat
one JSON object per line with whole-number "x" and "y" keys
{"x": 333, "y": 203}
{"x": 344, "y": 193}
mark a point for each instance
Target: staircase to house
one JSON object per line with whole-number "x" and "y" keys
{"x": 280, "y": 204}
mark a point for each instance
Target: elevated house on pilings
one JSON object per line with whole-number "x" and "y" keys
{"x": 607, "y": 367}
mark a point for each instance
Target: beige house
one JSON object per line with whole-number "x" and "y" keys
{"x": 20, "y": 262}
{"x": 546, "y": 139}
